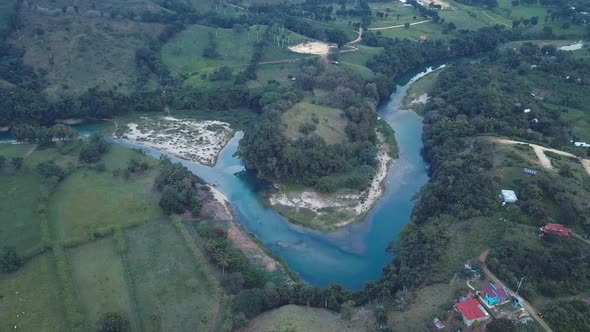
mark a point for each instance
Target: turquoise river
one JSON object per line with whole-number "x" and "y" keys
{"x": 352, "y": 255}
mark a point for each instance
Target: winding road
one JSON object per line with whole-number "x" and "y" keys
{"x": 540, "y": 152}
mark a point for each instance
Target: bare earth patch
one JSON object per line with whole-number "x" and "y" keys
{"x": 443, "y": 4}
{"x": 199, "y": 141}
{"x": 317, "y": 48}
{"x": 354, "y": 205}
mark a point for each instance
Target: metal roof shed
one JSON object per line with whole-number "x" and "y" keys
{"x": 508, "y": 196}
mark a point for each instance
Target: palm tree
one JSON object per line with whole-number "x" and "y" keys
{"x": 222, "y": 259}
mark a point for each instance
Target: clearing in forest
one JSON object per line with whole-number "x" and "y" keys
{"x": 329, "y": 122}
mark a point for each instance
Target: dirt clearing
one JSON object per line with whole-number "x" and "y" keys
{"x": 316, "y": 48}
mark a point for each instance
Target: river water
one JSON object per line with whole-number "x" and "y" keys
{"x": 352, "y": 255}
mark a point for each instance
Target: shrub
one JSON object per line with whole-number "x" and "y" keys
{"x": 112, "y": 322}
{"x": 10, "y": 261}
{"x": 49, "y": 169}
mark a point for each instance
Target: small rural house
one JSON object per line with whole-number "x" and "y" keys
{"x": 582, "y": 144}
{"x": 529, "y": 171}
{"x": 556, "y": 229}
{"x": 494, "y": 295}
{"x": 471, "y": 310}
{"x": 508, "y": 196}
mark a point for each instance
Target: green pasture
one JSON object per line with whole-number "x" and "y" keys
{"x": 331, "y": 123}
{"x": 393, "y": 9}
{"x": 279, "y": 72}
{"x": 429, "y": 29}
{"x": 172, "y": 294}
{"x": 14, "y": 150}
{"x": 184, "y": 53}
{"x": 88, "y": 202}
{"x": 32, "y": 298}
{"x": 18, "y": 202}
{"x": 357, "y": 60}
{"x": 100, "y": 279}
{"x": 18, "y": 209}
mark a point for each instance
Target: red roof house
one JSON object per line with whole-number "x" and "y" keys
{"x": 556, "y": 229}
{"x": 471, "y": 311}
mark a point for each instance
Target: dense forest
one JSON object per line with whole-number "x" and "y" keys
{"x": 308, "y": 159}
{"x": 470, "y": 100}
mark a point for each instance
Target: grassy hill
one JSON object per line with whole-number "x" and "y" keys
{"x": 74, "y": 53}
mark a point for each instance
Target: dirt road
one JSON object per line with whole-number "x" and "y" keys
{"x": 581, "y": 238}
{"x": 397, "y": 26}
{"x": 540, "y": 152}
{"x": 524, "y": 303}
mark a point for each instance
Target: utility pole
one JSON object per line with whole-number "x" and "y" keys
{"x": 519, "y": 284}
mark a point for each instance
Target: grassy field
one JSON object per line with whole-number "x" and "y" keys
{"x": 430, "y": 30}
{"x": 100, "y": 280}
{"x": 18, "y": 202}
{"x": 357, "y": 60}
{"x": 80, "y": 52}
{"x": 32, "y": 299}
{"x": 146, "y": 272}
{"x": 88, "y": 202}
{"x": 18, "y": 210}
{"x": 184, "y": 54}
{"x": 171, "y": 292}
{"x": 330, "y": 125}
{"x": 301, "y": 318}
{"x": 392, "y": 10}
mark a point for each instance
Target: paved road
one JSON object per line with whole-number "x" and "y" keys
{"x": 524, "y": 303}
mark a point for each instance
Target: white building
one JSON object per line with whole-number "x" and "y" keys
{"x": 582, "y": 144}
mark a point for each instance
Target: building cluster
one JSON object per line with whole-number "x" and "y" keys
{"x": 482, "y": 306}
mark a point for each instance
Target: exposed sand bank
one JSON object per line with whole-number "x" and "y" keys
{"x": 199, "y": 141}
{"x": 353, "y": 204}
